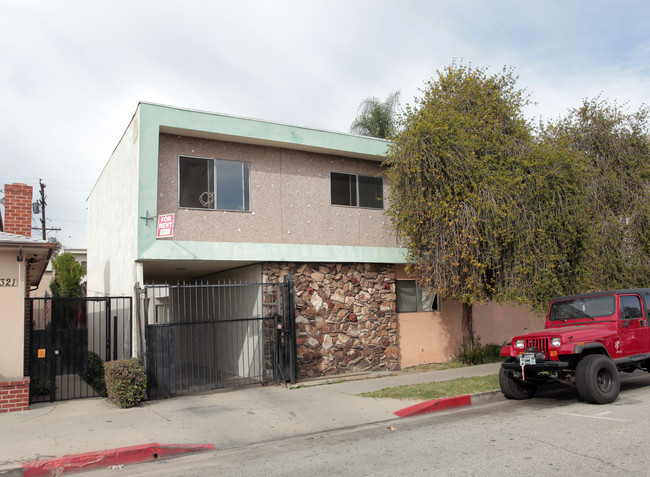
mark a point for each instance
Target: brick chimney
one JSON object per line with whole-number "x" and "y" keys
{"x": 18, "y": 209}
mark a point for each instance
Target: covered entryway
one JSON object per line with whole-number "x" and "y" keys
{"x": 70, "y": 339}
{"x": 204, "y": 336}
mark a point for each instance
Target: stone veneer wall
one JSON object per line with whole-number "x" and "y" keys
{"x": 345, "y": 316}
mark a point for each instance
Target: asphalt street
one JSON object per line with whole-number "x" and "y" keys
{"x": 223, "y": 419}
{"x": 552, "y": 434}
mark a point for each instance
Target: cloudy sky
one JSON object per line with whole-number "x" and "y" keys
{"x": 72, "y": 72}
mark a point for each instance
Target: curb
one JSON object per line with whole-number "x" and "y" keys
{"x": 103, "y": 459}
{"x": 444, "y": 404}
{"x": 435, "y": 405}
{"x": 338, "y": 378}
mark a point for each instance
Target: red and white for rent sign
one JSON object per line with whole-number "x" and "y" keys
{"x": 165, "y": 226}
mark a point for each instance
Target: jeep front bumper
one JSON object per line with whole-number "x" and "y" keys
{"x": 544, "y": 365}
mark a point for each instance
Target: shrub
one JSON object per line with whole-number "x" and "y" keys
{"x": 126, "y": 382}
{"x": 490, "y": 353}
{"x": 39, "y": 387}
{"x": 95, "y": 375}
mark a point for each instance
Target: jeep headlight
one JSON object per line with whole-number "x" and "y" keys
{"x": 519, "y": 344}
{"x": 556, "y": 342}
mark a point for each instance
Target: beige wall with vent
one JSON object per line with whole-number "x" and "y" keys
{"x": 435, "y": 337}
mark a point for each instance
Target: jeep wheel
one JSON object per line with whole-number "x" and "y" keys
{"x": 513, "y": 388}
{"x": 597, "y": 379}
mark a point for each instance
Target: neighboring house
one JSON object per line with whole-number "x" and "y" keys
{"x": 253, "y": 201}
{"x": 22, "y": 263}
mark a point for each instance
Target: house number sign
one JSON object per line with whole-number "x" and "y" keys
{"x": 8, "y": 282}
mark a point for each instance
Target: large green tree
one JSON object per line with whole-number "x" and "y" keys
{"x": 474, "y": 196}
{"x": 377, "y": 118}
{"x": 612, "y": 149}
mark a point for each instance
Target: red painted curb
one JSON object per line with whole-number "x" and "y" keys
{"x": 104, "y": 459}
{"x": 435, "y": 405}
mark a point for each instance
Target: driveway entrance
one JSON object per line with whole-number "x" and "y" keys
{"x": 205, "y": 336}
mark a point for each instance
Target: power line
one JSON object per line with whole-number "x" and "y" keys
{"x": 34, "y": 179}
{"x": 53, "y": 183}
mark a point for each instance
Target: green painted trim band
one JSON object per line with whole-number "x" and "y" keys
{"x": 165, "y": 249}
{"x": 255, "y": 130}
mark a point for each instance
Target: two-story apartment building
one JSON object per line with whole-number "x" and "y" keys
{"x": 254, "y": 200}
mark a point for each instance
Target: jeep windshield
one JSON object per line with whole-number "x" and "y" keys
{"x": 577, "y": 308}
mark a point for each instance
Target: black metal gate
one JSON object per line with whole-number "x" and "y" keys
{"x": 206, "y": 336}
{"x": 69, "y": 340}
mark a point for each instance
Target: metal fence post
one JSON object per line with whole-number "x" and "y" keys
{"x": 291, "y": 331}
{"x": 108, "y": 329}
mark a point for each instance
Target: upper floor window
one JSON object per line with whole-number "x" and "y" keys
{"x": 357, "y": 191}
{"x": 213, "y": 184}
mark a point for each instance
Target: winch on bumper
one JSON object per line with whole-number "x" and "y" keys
{"x": 532, "y": 360}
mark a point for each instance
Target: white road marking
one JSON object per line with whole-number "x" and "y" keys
{"x": 597, "y": 416}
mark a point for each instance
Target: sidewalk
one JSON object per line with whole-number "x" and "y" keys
{"x": 225, "y": 419}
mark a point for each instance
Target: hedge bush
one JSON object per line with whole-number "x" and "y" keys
{"x": 126, "y": 382}
{"x": 95, "y": 375}
{"x": 40, "y": 386}
{"x": 481, "y": 354}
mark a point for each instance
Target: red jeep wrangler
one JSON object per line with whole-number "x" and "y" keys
{"x": 587, "y": 340}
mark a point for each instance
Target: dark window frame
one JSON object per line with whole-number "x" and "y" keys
{"x": 419, "y": 298}
{"x": 213, "y": 177}
{"x": 628, "y": 312}
{"x": 358, "y": 190}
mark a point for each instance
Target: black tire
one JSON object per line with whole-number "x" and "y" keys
{"x": 513, "y": 388}
{"x": 597, "y": 379}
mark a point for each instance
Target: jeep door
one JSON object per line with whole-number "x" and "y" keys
{"x": 633, "y": 325}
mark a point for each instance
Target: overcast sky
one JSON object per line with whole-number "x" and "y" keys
{"x": 72, "y": 72}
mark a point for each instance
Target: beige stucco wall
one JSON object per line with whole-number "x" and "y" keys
{"x": 435, "y": 337}
{"x": 290, "y": 197}
{"x": 113, "y": 220}
{"x": 495, "y": 323}
{"x": 12, "y": 313}
{"x": 430, "y": 337}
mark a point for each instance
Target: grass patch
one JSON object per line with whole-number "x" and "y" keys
{"x": 439, "y": 389}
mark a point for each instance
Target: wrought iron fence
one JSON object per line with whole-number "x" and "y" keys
{"x": 206, "y": 336}
{"x": 70, "y": 339}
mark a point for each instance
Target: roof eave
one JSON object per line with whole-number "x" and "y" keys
{"x": 193, "y": 123}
